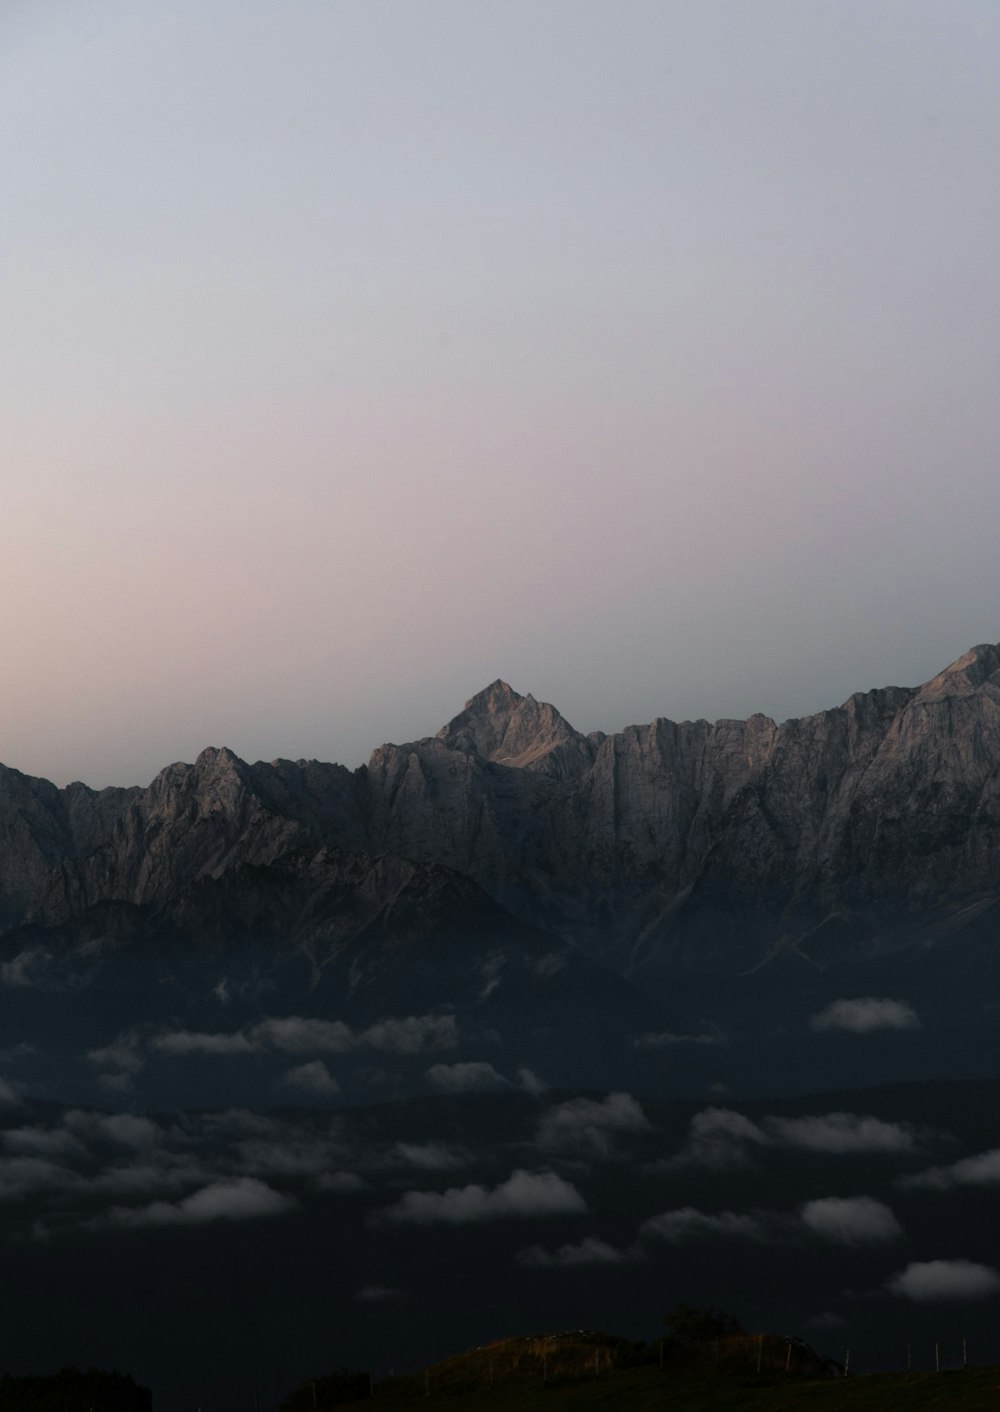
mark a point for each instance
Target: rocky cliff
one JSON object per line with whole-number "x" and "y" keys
{"x": 867, "y": 827}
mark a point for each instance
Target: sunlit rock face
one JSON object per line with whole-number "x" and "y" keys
{"x": 696, "y": 844}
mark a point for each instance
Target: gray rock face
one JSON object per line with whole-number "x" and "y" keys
{"x": 700, "y": 844}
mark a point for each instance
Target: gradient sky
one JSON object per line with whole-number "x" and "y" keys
{"x": 357, "y": 352}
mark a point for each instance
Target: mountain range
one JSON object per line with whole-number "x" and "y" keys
{"x": 664, "y": 848}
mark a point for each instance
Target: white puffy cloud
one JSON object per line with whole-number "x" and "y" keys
{"x": 296, "y": 1034}
{"x": 851, "y": 1220}
{"x": 237, "y": 1199}
{"x": 523, "y": 1194}
{"x": 981, "y": 1170}
{"x": 590, "y": 1124}
{"x": 181, "y": 1042}
{"x": 688, "y": 1223}
{"x": 313, "y": 1079}
{"x": 589, "y": 1251}
{"x": 719, "y": 1138}
{"x": 473, "y": 1077}
{"x": 927, "y": 1281}
{"x": 124, "y": 1054}
{"x": 842, "y": 1133}
{"x": 865, "y": 1015}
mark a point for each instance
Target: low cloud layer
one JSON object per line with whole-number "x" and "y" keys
{"x": 865, "y": 1015}
{"x": 590, "y": 1126}
{"x": 523, "y": 1194}
{"x": 313, "y": 1079}
{"x": 849, "y": 1221}
{"x": 981, "y": 1170}
{"x": 242, "y": 1199}
{"x": 930, "y": 1281}
{"x": 722, "y": 1139}
{"x": 839, "y": 1133}
{"x": 687, "y": 1223}
{"x": 853, "y": 1220}
{"x": 286, "y": 1034}
{"x": 473, "y": 1077}
{"x": 589, "y": 1251}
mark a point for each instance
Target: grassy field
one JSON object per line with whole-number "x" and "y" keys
{"x": 646, "y": 1388}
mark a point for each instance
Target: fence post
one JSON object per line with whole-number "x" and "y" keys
{"x": 847, "y": 1361}
{"x": 937, "y": 1357}
{"x": 965, "y": 1353}
{"x": 760, "y": 1351}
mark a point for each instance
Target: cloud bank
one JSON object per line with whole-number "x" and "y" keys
{"x": 523, "y": 1194}
{"x": 865, "y": 1015}
{"x": 927, "y": 1281}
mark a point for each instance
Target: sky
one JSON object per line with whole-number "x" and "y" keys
{"x": 354, "y": 353}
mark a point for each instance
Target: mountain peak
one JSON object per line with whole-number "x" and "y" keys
{"x": 498, "y": 696}
{"x": 500, "y": 725}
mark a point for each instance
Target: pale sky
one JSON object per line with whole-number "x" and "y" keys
{"x": 354, "y": 353}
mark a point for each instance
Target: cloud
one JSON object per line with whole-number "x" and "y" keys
{"x": 842, "y": 1133}
{"x": 432, "y": 1156}
{"x": 590, "y": 1124}
{"x": 24, "y": 969}
{"x": 926, "y": 1281}
{"x": 523, "y": 1194}
{"x": 25, "y": 1176}
{"x": 313, "y": 1078}
{"x": 414, "y": 1035}
{"x": 124, "y": 1054}
{"x": 530, "y": 1082}
{"x": 9, "y": 1096}
{"x": 238, "y": 1199}
{"x": 665, "y": 1039}
{"x": 865, "y": 1015}
{"x": 180, "y": 1042}
{"x": 589, "y": 1251}
{"x": 296, "y": 1034}
{"x": 719, "y": 1138}
{"x": 853, "y": 1220}
{"x": 687, "y": 1223}
{"x": 981, "y": 1170}
{"x": 476, "y": 1077}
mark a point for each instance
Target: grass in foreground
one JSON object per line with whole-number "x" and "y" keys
{"x": 646, "y": 1388}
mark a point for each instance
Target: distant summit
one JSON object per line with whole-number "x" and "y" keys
{"x": 500, "y": 725}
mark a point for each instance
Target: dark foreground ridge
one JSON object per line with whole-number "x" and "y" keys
{"x": 587, "y": 1369}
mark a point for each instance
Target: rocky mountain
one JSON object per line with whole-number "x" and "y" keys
{"x": 669, "y": 846}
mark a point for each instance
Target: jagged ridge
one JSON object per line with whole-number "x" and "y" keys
{"x": 713, "y": 844}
